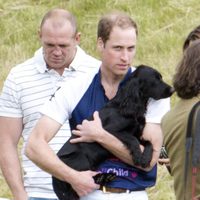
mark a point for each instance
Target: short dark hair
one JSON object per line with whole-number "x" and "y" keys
{"x": 115, "y": 18}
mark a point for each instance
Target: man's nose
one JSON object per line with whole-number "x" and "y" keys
{"x": 57, "y": 51}
{"x": 124, "y": 55}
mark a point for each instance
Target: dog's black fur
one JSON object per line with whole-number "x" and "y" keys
{"x": 124, "y": 117}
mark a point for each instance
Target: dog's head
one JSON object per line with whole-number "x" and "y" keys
{"x": 150, "y": 83}
{"x": 144, "y": 83}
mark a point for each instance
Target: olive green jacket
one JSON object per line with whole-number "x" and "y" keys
{"x": 174, "y": 125}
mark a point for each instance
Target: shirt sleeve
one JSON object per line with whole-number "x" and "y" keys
{"x": 61, "y": 105}
{"x": 10, "y": 98}
{"x": 57, "y": 107}
{"x": 156, "y": 109}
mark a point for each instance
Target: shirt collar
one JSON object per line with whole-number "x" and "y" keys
{"x": 98, "y": 79}
{"x": 39, "y": 58}
{"x": 77, "y": 61}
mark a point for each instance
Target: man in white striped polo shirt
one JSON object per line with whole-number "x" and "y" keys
{"x": 26, "y": 88}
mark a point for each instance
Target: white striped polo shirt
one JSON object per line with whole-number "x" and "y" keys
{"x": 25, "y": 90}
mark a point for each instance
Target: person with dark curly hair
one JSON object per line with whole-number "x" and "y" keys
{"x": 186, "y": 82}
{"x": 193, "y": 36}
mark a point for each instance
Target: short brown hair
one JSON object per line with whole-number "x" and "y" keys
{"x": 62, "y": 14}
{"x": 115, "y": 18}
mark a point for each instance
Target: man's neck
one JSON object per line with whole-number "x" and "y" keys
{"x": 110, "y": 83}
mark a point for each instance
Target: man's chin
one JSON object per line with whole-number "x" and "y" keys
{"x": 57, "y": 64}
{"x": 122, "y": 71}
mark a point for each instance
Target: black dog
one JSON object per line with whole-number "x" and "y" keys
{"x": 124, "y": 117}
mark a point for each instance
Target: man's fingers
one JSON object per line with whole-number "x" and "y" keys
{"x": 76, "y": 132}
{"x": 75, "y": 140}
{"x": 96, "y": 116}
{"x": 78, "y": 139}
{"x": 78, "y": 126}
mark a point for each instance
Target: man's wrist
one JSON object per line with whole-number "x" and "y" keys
{"x": 70, "y": 175}
{"x": 101, "y": 136}
{"x": 20, "y": 195}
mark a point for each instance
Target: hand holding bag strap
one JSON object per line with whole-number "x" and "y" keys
{"x": 192, "y": 139}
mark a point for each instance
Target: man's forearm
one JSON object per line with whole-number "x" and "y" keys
{"x": 153, "y": 133}
{"x": 115, "y": 146}
{"x": 11, "y": 169}
{"x": 46, "y": 159}
{"x": 87, "y": 133}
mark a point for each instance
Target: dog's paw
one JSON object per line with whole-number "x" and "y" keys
{"x": 137, "y": 160}
{"x": 103, "y": 178}
{"x": 145, "y": 163}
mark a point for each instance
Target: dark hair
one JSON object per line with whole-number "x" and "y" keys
{"x": 60, "y": 14}
{"x": 186, "y": 81}
{"x": 193, "y": 35}
{"x": 115, "y": 18}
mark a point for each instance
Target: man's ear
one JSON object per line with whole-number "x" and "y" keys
{"x": 40, "y": 35}
{"x": 100, "y": 44}
{"x": 78, "y": 37}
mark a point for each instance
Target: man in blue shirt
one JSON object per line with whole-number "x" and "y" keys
{"x": 78, "y": 99}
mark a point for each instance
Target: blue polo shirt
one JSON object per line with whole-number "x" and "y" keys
{"x": 128, "y": 177}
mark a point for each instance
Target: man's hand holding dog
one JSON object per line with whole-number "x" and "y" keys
{"x": 84, "y": 183}
{"x": 153, "y": 133}
{"x": 93, "y": 131}
{"x": 89, "y": 131}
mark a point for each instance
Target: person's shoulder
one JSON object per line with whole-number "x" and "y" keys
{"x": 85, "y": 58}
{"x": 181, "y": 109}
{"x": 30, "y": 64}
{"x": 168, "y": 115}
{"x": 22, "y": 66}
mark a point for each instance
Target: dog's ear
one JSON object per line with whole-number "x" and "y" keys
{"x": 129, "y": 98}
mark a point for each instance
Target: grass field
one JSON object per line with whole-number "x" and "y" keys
{"x": 163, "y": 26}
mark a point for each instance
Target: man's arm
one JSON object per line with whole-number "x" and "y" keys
{"x": 10, "y": 133}
{"x": 152, "y": 132}
{"x": 39, "y": 152}
{"x": 90, "y": 131}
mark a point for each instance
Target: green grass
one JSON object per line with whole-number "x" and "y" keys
{"x": 163, "y": 26}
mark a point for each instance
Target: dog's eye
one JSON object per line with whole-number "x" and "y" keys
{"x": 159, "y": 76}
